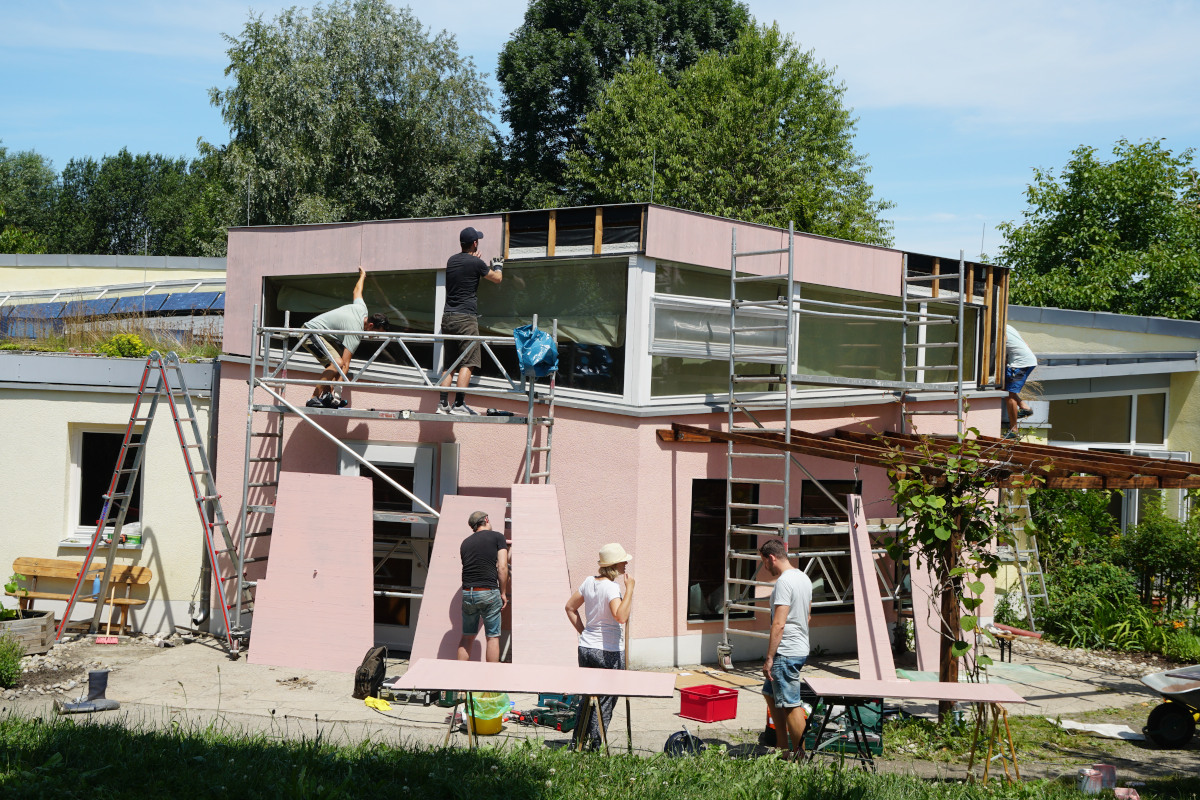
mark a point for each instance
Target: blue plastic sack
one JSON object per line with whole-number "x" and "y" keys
{"x": 536, "y": 351}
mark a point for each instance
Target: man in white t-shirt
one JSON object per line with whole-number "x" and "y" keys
{"x": 1019, "y": 362}
{"x": 791, "y": 608}
{"x": 333, "y": 350}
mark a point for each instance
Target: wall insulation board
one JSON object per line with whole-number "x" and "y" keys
{"x": 541, "y": 632}
{"x": 315, "y": 608}
{"x": 439, "y": 624}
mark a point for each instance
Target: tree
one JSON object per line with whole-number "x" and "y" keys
{"x": 28, "y": 185}
{"x": 760, "y": 134}
{"x": 352, "y": 112}
{"x": 128, "y": 204}
{"x": 1120, "y": 236}
{"x": 554, "y": 68}
{"x": 951, "y": 524}
{"x": 18, "y": 240}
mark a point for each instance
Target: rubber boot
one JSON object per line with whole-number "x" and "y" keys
{"x": 95, "y": 701}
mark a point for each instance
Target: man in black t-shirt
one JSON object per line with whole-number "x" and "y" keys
{"x": 484, "y": 557}
{"x": 460, "y": 317}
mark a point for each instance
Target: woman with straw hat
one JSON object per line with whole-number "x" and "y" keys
{"x": 605, "y": 609}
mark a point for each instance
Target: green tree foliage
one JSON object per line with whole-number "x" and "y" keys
{"x": 1164, "y": 555}
{"x": 1120, "y": 236}
{"x": 759, "y": 134}
{"x": 350, "y": 112}
{"x": 127, "y": 205}
{"x": 557, "y": 63}
{"x": 1073, "y": 526}
{"x": 28, "y": 186}
{"x": 17, "y": 240}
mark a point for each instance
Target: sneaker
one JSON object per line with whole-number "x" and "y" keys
{"x": 314, "y": 402}
{"x": 463, "y": 410}
{"x": 1012, "y": 435}
{"x": 338, "y": 402}
{"x": 1022, "y": 413}
{"x": 442, "y": 409}
{"x": 327, "y": 401}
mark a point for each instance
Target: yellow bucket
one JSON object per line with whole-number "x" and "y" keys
{"x": 484, "y": 727}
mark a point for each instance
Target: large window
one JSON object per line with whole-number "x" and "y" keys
{"x": 588, "y": 298}
{"x": 706, "y": 559}
{"x": 1117, "y": 419}
{"x": 406, "y": 298}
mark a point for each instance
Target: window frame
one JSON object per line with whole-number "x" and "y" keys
{"x": 76, "y": 534}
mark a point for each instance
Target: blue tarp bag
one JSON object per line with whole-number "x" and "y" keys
{"x": 536, "y": 351}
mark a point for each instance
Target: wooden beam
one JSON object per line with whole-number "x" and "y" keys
{"x": 507, "y": 233}
{"x": 1133, "y": 465}
{"x": 1002, "y": 325}
{"x": 598, "y": 237}
{"x": 988, "y": 313}
{"x": 969, "y": 283}
{"x": 551, "y": 233}
{"x": 937, "y": 270}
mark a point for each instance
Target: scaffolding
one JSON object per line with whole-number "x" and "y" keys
{"x": 274, "y": 349}
{"x": 765, "y": 332}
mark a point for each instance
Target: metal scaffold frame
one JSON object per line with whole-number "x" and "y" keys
{"x": 273, "y": 349}
{"x": 744, "y": 401}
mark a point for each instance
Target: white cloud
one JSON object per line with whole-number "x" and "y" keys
{"x": 1014, "y": 65}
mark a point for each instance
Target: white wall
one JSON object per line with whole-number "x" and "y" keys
{"x": 36, "y": 486}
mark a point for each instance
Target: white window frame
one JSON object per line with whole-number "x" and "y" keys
{"x": 76, "y": 535}
{"x": 1132, "y": 442}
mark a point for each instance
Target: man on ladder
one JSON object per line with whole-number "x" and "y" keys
{"x": 324, "y": 346}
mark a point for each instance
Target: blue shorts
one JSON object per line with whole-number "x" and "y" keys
{"x": 1015, "y": 377}
{"x": 785, "y": 684}
{"x": 486, "y": 604}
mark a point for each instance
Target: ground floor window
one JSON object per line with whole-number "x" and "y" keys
{"x": 706, "y": 560}
{"x": 95, "y": 460}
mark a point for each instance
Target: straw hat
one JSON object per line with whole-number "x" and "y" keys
{"x": 612, "y": 554}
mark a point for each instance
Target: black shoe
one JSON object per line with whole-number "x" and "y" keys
{"x": 314, "y": 402}
{"x": 327, "y": 401}
{"x": 337, "y": 402}
{"x": 1022, "y": 413}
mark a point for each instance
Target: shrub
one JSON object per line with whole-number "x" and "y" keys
{"x": 1072, "y": 526}
{"x": 11, "y": 653}
{"x": 1182, "y": 646}
{"x": 1164, "y": 554}
{"x": 1077, "y": 591}
{"x": 123, "y": 345}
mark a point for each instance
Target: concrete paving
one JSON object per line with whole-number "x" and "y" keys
{"x": 198, "y": 685}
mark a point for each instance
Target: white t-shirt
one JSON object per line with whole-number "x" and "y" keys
{"x": 601, "y": 631}
{"x": 794, "y": 589}
{"x": 1016, "y": 353}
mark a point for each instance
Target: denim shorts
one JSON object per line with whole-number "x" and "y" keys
{"x": 785, "y": 684}
{"x": 1015, "y": 377}
{"x": 486, "y": 604}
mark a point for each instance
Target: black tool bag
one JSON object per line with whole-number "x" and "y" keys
{"x": 369, "y": 675}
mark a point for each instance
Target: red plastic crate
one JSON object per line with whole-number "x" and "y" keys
{"x": 708, "y": 703}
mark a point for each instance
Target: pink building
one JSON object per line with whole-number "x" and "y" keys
{"x": 640, "y": 295}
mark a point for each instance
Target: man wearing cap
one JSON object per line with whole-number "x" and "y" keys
{"x": 484, "y": 557}
{"x": 460, "y": 317}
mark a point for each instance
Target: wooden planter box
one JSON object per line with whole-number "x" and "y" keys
{"x": 35, "y": 630}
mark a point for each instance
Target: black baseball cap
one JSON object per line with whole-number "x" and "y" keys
{"x": 469, "y": 235}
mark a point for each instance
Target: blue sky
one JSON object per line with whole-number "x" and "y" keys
{"x": 957, "y": 101}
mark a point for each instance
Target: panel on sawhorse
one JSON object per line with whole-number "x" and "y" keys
{"x": 439, "y": 623}
{"x": 315, "y": 608}
{"x": 870, "y": 625}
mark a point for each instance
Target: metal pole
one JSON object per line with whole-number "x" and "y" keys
{"x": 958, "y": 394}
{"x": 790, "y": 370}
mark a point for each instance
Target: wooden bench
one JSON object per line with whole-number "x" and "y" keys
{"x": 58, "y": 569}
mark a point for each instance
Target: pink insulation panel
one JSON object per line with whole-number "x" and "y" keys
{"x": 925, "y": 617}
{"x": 874, "y": 648}
{"x": 314, "y": 610}
{"x": 915, "y": 690}
{"x": 541, "y": 632}
{"x": 439, "y": 625}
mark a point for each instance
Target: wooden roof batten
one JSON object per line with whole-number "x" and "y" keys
{"x": 1016, "y": 464}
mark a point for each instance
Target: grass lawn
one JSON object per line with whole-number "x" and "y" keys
{"x": 79, "y": 758}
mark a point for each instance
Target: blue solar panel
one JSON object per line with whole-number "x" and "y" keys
{"x": 139, "y": 304}
{"x": 189, "y": 301}
{"x": 219, "y": 303}
{"x": 38, "y": 311}
{"x": 88, "y": 308}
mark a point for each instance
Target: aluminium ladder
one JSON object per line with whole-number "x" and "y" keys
{"x": 156, "y": 384}
{"x": 1032, "y": 580}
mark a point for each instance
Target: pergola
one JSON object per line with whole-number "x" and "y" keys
{"x": 1015, "y": 464}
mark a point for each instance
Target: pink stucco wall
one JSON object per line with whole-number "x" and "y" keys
{"x": 390, "y": 245}
{"x": 616, "y": 481}
{"x": 699, "y": 239}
